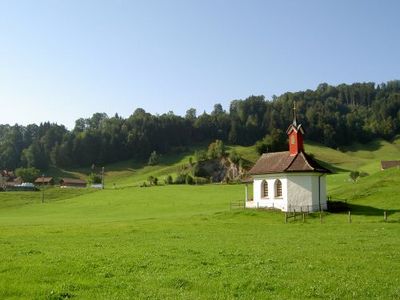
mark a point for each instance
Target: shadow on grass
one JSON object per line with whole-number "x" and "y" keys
{"x": 365, "y": 210}
{"x": 334, "y": 169}
{"x": 172, "y": 157}
{"x": 338, "y": 206}
{"x": 373, "y": 145}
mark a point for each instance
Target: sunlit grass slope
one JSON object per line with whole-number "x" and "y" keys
{"x": 380, "y": 190}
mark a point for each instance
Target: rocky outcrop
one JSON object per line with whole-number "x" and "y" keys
{"x": 219, "y": 170}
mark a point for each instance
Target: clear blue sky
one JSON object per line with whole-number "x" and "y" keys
{"x": 61, "y": 60}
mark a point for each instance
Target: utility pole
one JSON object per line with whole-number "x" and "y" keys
{"x": 102, "y": 178}
{"x": 42, "y": 188}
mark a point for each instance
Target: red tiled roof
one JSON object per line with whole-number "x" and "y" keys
{"x": 282, "y": 162}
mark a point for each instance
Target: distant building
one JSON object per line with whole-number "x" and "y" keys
{"x": 12, "y": 181}
{"x": 289, "y": 180}
{"x": 44, "y": 181}
{"x": 18, "y": 180}
{"x": 7, "y": 174}
{"x": 386, "y": 164}
{"x": 72, "y": 183}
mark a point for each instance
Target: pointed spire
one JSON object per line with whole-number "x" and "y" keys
{"x": 294, "y": 114}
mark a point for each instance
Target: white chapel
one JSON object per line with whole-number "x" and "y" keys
{"x": 289, "y": 180}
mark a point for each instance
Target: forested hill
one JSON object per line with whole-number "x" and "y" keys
{"x": 332, "y": 115}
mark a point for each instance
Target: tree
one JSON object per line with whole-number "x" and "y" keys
{"x": 34, "y": 156}
{"x": 217, "y": 110}
{"x": 189, "y": 179}
{"x": 276, "y": 141}
{"x": 153, "y": 159}
{"x": 168, "y": 180}
{"x": 235, "y": 157}
{"x": 216, "y": 150}
{"x": 333, "y": 115}
{"x": 354, "y": 175}
{"x": 94, "y": 178}
{"x": 191, "y": 114}
{"x": 27, "y": 174}
{"x": 200, "y": 155}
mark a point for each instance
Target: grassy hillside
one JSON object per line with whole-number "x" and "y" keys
{"x": 184, "y": 242}
{"x": 365, "y": 158}
{"x": 380, "y": 191}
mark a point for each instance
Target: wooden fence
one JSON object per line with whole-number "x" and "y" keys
{"x": 237, "y": 204}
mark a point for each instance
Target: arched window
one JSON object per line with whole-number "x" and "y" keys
{"x": 264, "y": 189}
{"x": 278, "y": 188}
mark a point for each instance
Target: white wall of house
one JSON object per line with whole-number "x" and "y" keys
{"x": 299, "y": 191}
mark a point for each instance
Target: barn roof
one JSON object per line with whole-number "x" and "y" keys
{"x": 386, "y": 164}
{"x": 43, "y": 179}
{"x": 282, "y": 162}
{"x": 72, "y": 181}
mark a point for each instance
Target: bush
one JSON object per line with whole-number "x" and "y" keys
{"x": 180, "y": 179}
{"x": 200, "y": 180}
{"x": 94, "y": 178}
{"x": 152, "y": 180}
{"x": 168, "y": 180}
{"x": 189, "y": 179}
{"x": 200, "y": 155}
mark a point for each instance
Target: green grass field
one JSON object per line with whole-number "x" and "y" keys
{"x": 184, "y": 242}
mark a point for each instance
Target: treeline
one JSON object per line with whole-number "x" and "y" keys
{"x": 332, "y": 115}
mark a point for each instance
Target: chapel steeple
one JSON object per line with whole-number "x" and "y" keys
{"x": 295, "y": 133}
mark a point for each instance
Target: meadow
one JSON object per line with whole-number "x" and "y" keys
{"x": 184, "y": 242}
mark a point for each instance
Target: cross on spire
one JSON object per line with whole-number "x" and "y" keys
{"x": 294, "y": 114}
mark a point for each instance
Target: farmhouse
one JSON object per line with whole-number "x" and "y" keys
{"x": 289, "y": 180}
{"x": 386, "y": 164}
{"x": 72, "y": 182}
{"x": 8, "y": 179}
{"x": 44, "y": 181}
